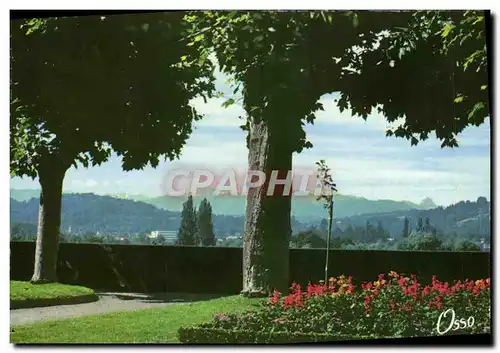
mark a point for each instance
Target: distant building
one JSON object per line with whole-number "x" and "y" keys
{"x": 483, "y": 245}
{"x": 170, "y": 236}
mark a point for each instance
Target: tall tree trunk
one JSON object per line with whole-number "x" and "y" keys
{"x": 51, "y": 177}
{"x": 267, "y": 219}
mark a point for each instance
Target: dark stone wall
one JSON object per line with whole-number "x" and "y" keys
{"x": 215, "y": 270}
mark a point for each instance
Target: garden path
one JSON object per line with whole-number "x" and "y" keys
{"x": 107, "y": 303}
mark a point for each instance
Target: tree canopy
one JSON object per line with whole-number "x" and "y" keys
{"x": 432, "y": 72}
{"x": 428, "y": 67}
{"x": 84, "y": 86}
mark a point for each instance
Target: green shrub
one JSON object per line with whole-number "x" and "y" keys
{"x": 393, "y": 306}
{"x": 207, "y": 335}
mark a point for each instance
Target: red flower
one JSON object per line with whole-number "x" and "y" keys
{"x": 275, "y": 298}
{"x": 402, "y": 281}
{"x": 393, "y": 305}
{"x": 367, "y": 301}
{"x": 350, "y": 289}
{"x": 425, "y": 291}
{"x": 412, "y": 290}
{"x": 367, "y": 286}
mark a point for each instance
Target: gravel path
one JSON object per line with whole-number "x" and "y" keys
{"x": 107, "y": 303}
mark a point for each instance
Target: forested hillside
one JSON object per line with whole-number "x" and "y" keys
{"x": 91, "y": 214}
{"x": 304, "y": 209}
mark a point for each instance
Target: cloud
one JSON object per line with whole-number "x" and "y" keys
{"x": 90, "y": 183}
{"x": 216, "y": 114}
{"x": 331, "y": 115}
{"x": 219, "y": 153}
{"x": 83, "y": 184}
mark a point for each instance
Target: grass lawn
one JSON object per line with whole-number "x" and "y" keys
{"x": 141, "y": 326}
{"x": 27, "y": 291}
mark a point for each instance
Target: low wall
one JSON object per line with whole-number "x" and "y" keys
{"x": 149, "y": 268}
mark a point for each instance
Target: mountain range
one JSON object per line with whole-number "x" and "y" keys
{"x": 304, "y": 208}
{"x": 91, "y": 214}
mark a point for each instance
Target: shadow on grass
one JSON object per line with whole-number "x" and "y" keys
{"x": 162, "y": 297}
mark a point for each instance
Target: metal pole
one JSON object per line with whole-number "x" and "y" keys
{"x": 330, "y": 218}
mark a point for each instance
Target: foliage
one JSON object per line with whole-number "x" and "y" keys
{"x": 205, "y": 226}
{"x": 466, "y": 245}
{"x": 207, "y": 335}
{"x": 188, "y": 231}
{"x": 392, "y": 306}
{"x": 443, "y": 55}
{"x": 124, "y": 65}
{"x": 420, "y": 241}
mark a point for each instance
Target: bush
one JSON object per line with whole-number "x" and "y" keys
{"x": 204, "y": 334}
{"x": 392, "y": 306}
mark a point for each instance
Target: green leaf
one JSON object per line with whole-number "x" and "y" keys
{"x": 459, "y": 99}
{"x": 227, "y": 103}
{"x": 447, "y": 29}
{"x": 355, "y": 20}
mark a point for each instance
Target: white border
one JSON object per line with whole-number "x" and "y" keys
{"x": 186, "y": 4}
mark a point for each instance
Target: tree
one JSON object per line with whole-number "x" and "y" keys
{"x": 309, "y": 239}
{"x": 205, "y": 226}
{"x": 420, "y": 225}
{"x": 328, "y": 188}
{"x": 406, "y": 228}
{"x": 381, "y": 233}
{"x": 188, "y": 230}
{"x": 420, "y": 242}
{"x": 466, "y": 245}
{"x": 160, "y": 240}
{"x": 323, "y": 226}
{"x": 83, "y": 87}
{"x": 283, "y": 62}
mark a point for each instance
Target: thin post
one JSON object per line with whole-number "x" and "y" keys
{"x": 328, "y": 238}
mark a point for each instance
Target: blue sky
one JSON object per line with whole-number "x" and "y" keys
{"x": 364, "y": 162}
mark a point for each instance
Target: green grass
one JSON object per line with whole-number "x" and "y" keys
{"x": 27, "y": 291}
{"x": 141, "y": 326}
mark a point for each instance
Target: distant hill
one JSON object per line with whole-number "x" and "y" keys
{"x": 24, "y": 194}
{"x": 90, "y": 213}
{"x": 465, "y": 218}
{"x": 304, "y": 209}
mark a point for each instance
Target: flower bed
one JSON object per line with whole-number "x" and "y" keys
{"x": 392, "y": 306}
{"x": 204, "y": 334}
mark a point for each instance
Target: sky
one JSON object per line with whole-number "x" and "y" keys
{"x": 363, "y": 160}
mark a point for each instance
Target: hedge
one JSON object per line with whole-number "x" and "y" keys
{"x": 204, "y": 335}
